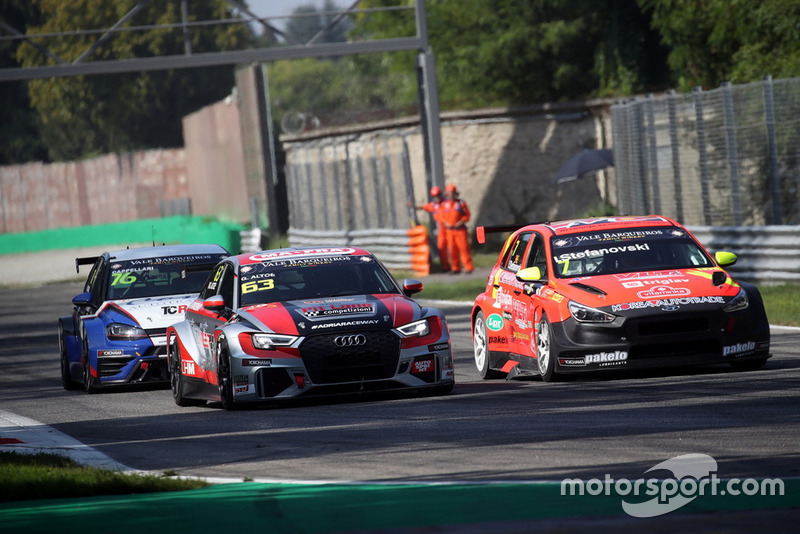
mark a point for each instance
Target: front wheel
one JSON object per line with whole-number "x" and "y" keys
{"x": 545, "y": 351}
{"x": 176, "y": 380}
{"x": 224, "y": 377}
{"x": 480, "y": 346}
{"x": 88, "y": 379}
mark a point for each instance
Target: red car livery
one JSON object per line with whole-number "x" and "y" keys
{"x": 306, "y": 321}
{"x": 613, "y": 293}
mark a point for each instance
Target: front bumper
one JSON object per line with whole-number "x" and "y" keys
{"x": 650, "y": 341}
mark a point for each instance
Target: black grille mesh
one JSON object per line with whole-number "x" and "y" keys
{"x": 328, "y": 363}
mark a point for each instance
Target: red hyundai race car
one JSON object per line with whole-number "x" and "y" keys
{"x": 613, "y": 293}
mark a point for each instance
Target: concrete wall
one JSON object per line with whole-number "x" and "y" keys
{"x": 110, "y": 188}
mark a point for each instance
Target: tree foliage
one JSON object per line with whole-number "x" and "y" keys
{"x": 713, "y": 41}
{"x": 511, "y": 52}
{"x": 86, "y": 115}
{"x": 19, "y": 137}
{"x": 307, "y": 21}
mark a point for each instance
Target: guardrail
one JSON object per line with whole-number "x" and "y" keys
{"x": 767, "y": 254}
{"x": 389, "y": 245}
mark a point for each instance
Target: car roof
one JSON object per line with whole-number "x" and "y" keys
{"x": 164, "y": 250}
{"x": 595, "y": 224}
{"x": 298, "y": 253}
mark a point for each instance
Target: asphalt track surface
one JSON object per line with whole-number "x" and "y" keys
{"x": 503, "y": 433}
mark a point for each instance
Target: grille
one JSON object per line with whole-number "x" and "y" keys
{"x": 677, "y": 348}
{"x": 112, "y": 365}
{"x": 270, "y": 382}
{"x": 328, "y": 363}
{"x": 674, "y": 326}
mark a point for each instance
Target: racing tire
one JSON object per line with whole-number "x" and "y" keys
{"x": 480, "y": 347}
{"x": 66, "y": 376}
{"x": 545, "y": 351}
{"x": 176, "y": 381}
{"x": 88, "y": 381}
{"x": 224, "y": 377}
{"x": 749, "y": 365}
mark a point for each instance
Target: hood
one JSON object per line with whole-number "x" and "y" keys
{"x": 676, "y": 289}
{"x": 155, "y": 312}
{"x": 334, "y": 314}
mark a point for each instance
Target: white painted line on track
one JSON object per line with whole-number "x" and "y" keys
{"x": 28, "y": 436}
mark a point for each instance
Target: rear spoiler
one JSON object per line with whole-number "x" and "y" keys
{"x": 88, "y": 260}
{"x": 481, "y": 231}
{"x": 196, "y": 268}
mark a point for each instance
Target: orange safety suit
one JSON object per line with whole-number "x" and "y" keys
{"x": 455, "y": 215}
{"x": 434, "y": 207}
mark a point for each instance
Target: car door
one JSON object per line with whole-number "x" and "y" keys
{"x": 528, "y": 308}
{"x": 203, "y": 321}
{"x": 509, "y": 297}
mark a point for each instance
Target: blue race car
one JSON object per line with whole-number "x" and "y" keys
{"x": 117, "y": 331}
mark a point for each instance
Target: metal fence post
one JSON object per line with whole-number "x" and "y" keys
{"x": 702, "y": 154}
{"x": 772, "y": 152}
{"x": 674, "y": 147}
{"x": 651, "y": 155}
{"x": 733, "y": 153}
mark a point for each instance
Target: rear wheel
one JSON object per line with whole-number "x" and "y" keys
{"x": 224, "y": 376}
{"x": 66, "y": 375}
{"x": 545, "y": 351}
{"x": 176, "y": 380}
{"x": 480, "y": 346}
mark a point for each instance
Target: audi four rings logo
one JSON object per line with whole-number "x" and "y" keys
{"x": 350, "y": 341}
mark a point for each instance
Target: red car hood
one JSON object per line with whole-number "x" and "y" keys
{"x": 323, "y": 315}
{"x": 629, "y": 291}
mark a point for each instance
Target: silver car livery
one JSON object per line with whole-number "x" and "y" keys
{"x": 295, "y": 322}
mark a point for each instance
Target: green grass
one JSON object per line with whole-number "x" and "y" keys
{"x": 782, "y": 304}
{"x": 50, "y": 476}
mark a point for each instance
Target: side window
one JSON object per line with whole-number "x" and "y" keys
{"x": 516, "y": 253}
{"x": 226, "y": 286}
{"x": 211, "y": 286}
{"x": 536, "y": 256}
{"x": 96, "y": 284}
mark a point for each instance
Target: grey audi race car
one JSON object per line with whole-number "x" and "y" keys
{"x": 295, "y": 322}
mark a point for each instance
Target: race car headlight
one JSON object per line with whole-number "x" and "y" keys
{"x": 417, "y": 328}
{"x": 585, "y": 314}
{"x": 124, "y": 331}
{"x": 739, "y": 302}
{"x": 270, "y": 341}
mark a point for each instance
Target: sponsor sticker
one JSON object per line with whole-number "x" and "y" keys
{"x": 660, "y": 292}
{"x": 422, "y": 366}
{"x": 739, "y": 348}
{"x": 438, "y": 347}
{"x": 256, "y": 362}
{"x": 494, "y": 322}
{"x": 572, "y": 362}
{"x": 666, "y": 302}
{"x": 333, "y": 310}
{"x": 287, "y": 254}
{"x": 617, "y": 357}
{"x": 188, "y": 368}
{"x": 110, "y": 353}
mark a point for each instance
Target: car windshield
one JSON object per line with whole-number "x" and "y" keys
{"x": 301, "y": 279}
{"x": 626, "y": 250}
{"x": 152, "y": 277}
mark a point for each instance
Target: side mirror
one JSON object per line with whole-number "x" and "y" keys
{"x": 410, "y": 286}
{"x": 215, "y": 303}
{"x": 531, "y": 274}
{"x": 725, "y": 259}
{"x": 83, "y": 300}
